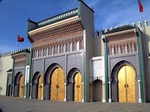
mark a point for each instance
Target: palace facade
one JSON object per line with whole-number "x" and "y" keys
{"x": 69, "y": 62}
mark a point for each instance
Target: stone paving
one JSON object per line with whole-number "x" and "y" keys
{"x": 14, "y": 104}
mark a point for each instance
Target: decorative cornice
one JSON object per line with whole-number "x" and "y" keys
{"x": 59, "y": 17}
{"x": 120, "y": 36}
{"x": 13, "y": 52}
{"x": 46, "y": 43}
{"x": 58, "y": 32}
{"x": 54, "y": 25}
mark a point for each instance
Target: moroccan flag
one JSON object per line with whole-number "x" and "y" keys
{"x": 20, "y": 39}
{"x": 140, "y": 6}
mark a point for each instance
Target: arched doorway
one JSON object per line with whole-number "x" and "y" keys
{"x": 18, "y": 88}
{"x": 39, "y": 87}
{"x": 21, "y": 80}
{"x": 126, "y": 84}
{"x": 57, "y": 84}
{"x": 97, "y": 90}
{"x": 77, "y": 87}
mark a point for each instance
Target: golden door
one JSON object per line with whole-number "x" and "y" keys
{"x": 57, "y": 85}
{"x": 39, "y": 87}
{"x": 21, "y": 80}
{"x": 126, "y": 84}
{"x": 78, "y": 87}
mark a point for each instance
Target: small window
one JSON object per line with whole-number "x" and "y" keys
{"x": 126, "y": 50}
{"x": 74, "y": 46}
{"x": 119, "y": 50}
{"x": 123, "y": 49}
{"x": 132, "y": 48}
{"x": 52, "y": 50}
{"x": 46, "y": 51}
{"x": 64, "y": 48}
{"x": 39, "y": 53}
{"x": 56, "y": 49}
{"x": 70, "y": 47}
{"x": 61, "y": 49}
{"x": 78, "y": 46}
{"x": 110, "y": 51}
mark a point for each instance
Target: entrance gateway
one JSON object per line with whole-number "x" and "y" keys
{"x": 39, "y": 87}
{"x": 77, "y": 87}
{"x": 126, "y": 84}
{"x": 57, "y": 85}
{"x": 21, "y": 80}
{"x": 57, "y": 88}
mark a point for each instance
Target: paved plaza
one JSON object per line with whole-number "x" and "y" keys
{"x": 14, "y": 104}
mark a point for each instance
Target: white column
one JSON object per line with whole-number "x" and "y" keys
{"x": 42, "y": 91}
{"x": 24, "y": 87}
{"x": 65, "y": 99}
{"x": 83, "y": 91}
{"x": 109, "y": 91}
{"x": 140, "y": 100}
{"x": 30, "y": 90}
{"x": 103, "y": 91}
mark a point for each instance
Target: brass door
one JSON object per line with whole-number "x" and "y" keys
{"x": 39, "y": 87}
{"x": 78, "y": 87}
{"x": 126, "y": 84}
{"x": 21, "y": 80}
{"x": 57, "y": 85}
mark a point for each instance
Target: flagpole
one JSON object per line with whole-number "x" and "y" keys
{"x": 141, "y": 18}
{"x": 142, "y": 24}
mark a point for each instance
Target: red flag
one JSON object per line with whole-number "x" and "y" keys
{"x": 20, "y": 39}
{"x": 140, "y": 6}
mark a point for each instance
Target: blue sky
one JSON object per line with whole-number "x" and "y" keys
{"x": 107, "y": 13}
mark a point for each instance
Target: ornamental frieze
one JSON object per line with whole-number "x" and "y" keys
{"x": 120, "y": 36}
{"x": 19, "y": 64}
{"x": 44, "y": 43}
{"x": 58, "y": 32}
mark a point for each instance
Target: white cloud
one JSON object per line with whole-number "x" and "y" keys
{"x": 118, "y": 12}
{"x": 93, "y": 3}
